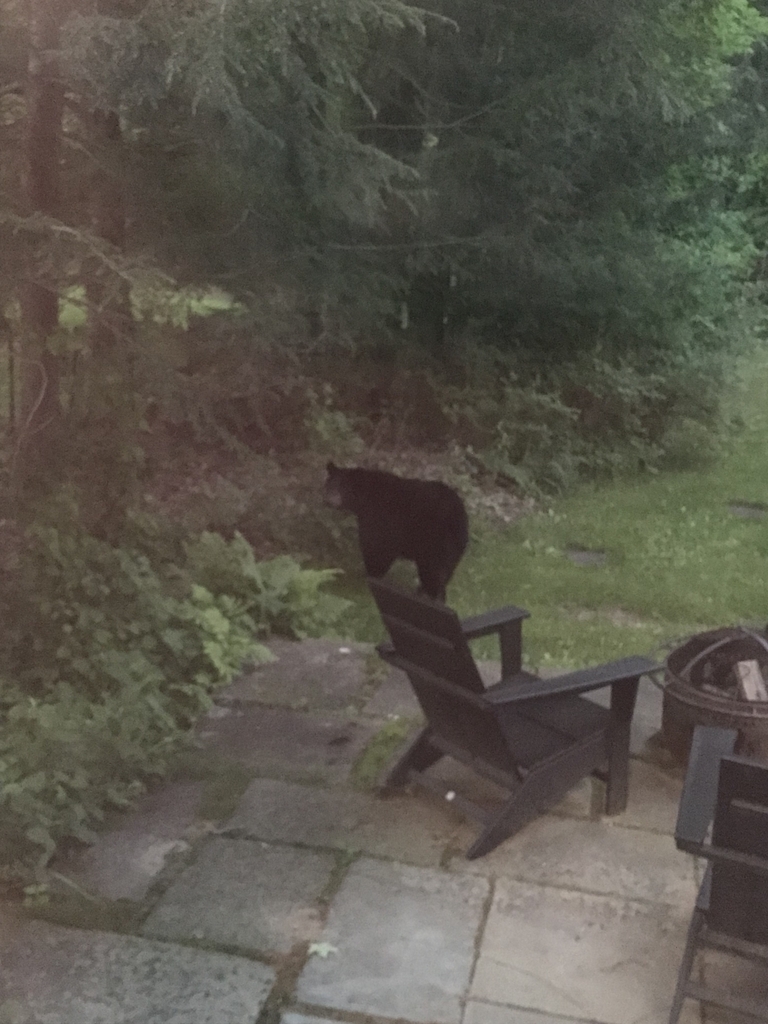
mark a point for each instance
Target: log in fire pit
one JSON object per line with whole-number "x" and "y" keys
{"x": 718, "y": 678}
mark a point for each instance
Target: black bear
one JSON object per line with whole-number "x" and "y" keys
{"x": 422, "y": 520}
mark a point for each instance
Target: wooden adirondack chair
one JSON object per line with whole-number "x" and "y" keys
{"x": 730, "y": 794}
{"x": 535, "y": 738}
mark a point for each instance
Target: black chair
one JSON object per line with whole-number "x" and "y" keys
{"x": 535, "y": 738}
{"x": 730, "y": 794}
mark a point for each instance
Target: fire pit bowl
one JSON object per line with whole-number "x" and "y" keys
{"x": 701, "y": 689}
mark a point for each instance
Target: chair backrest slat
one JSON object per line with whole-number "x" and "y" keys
{"x": 430, "y": 646}
{"x": 446, "y": 657}
{"x": 435, "y": 618}
{"x": 741, "y": 812}
{"x": 739, "y": 900}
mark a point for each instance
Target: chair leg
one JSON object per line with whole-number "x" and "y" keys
{"x": 684, "y": 974}
{"x": 540, "y": 789}
{"x": 417, "y": 757}
{"x": 509, "y": 821}
{"x": 617, "y": 786}
{"x": 523, "y": 806}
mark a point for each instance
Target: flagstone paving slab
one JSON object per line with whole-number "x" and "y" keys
{"x": 66, "y": 976}
{"x": 124, "y": 862}
{"x": 394, "y": 698}
{"x": 285, "y": 743}
{"x": 400, "y": 827}
{"x": 245, "y": 894}
{"x": 312, "y": 674}
{"x": 654, "y": 798}
{"x": 596, "y": 958}
{"x": 592, "y": 856}
{"x": 477, "y": 1012}
{"x": 404, "y": 941}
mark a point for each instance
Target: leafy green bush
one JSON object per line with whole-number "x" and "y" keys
{"x": 535, "y": 442}
{"x": 65, "y": 758}
{"x": 278, "y": 595}
{"x": 688, "y": 445}
{"x": 107, "y": 657}
{"x": 329, "y": 430}
{"x": 596, "y": 417}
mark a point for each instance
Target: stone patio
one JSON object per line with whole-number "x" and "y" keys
{"x": 305, "y": 899}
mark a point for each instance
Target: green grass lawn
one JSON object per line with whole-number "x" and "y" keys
{"x": 677, "y": 560}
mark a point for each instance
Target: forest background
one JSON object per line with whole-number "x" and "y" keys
{"x": 517, "y": 244}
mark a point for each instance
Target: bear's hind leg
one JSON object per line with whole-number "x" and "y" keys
{"x": 433, "y": 582}
{"x": 377, "y": 562}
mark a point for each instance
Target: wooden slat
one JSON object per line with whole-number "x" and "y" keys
{"x": 537, "y": 732}
{"x": 741, "y": 812}
{"x": 581, "y": 681}
{"x": 699, "y": 797}
{"x": 623, "y": 700}
{"x": 448, "y": 660}
{"x": 489, "y": 622}
{"x": 750, "y": 680}
{"x": 508, "y": 779}
{"x": 722, "y": 854}
{"x": 715, "y": 998}
{"x": 523, "y": 676}
{"x": 573, "y": 717}
{"x": 424, "y": 675}
{"x": 728, "y": 944}
{"x": 422, "y": 612}
{"x": 541, "y": 789}
{"x": 531, "y": 741}
{"x": 747, "y": 828}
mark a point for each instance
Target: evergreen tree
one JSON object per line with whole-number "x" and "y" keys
{"x": 548, "y": 136}
{"x": 153, "y": 138}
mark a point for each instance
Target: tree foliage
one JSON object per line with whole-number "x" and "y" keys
{"x": 568, "y": 184}
{"x": 546, "y": 135}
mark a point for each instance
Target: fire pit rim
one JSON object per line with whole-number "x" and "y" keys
{"x": 678, "y": 677}
{"x": 685, "y": 705}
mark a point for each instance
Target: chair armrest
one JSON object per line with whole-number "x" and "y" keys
{"x": 697, "y": 803}
{"x": 507, "y": 622}
{"x": 490, "y": 622}
{"x": 581, "y": 681}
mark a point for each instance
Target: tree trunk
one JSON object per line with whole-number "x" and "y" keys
{"x": 111, "y": 419}
{"x": 40, "y": 413}
{"x": 109, "y": 315}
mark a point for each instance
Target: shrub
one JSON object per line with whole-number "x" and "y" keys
{"x": 687, "y": 445}
{"x": 278, "y": 594}
{"x": 107, "y": 657}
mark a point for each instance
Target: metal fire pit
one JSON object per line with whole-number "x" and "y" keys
{"x": 701, "y": 690}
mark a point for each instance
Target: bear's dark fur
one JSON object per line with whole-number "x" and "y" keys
{"x": 422, "y": 520}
